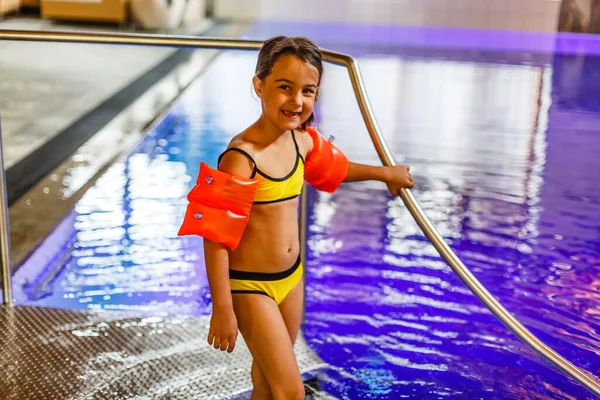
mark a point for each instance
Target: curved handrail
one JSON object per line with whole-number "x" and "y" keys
{"x": 382, "y": 150}
{"x": 450, "y": 257}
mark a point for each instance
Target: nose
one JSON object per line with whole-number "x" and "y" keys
{"x": 297, "y": 98}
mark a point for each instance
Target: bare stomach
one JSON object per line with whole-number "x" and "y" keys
{"x": 270, "y": 242}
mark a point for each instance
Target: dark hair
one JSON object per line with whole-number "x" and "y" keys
{"x": 300, "y": 47}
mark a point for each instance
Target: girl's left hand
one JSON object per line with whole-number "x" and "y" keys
{"x": 398, "y": 177}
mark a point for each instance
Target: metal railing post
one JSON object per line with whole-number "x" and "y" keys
{"x": 4, "y": 232}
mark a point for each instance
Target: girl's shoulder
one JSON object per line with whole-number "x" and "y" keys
{"x": 238, "y": 157}
{"x": 240, "y": 142}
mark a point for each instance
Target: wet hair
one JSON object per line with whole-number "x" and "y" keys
{"x": 300, "y": 47}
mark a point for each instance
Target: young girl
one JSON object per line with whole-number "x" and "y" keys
{"x": 247, "y": 213}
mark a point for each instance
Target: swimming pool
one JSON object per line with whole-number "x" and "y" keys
{"x": 504, "y": 157}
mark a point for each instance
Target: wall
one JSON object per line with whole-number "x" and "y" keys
{"x": 523, "y": 15}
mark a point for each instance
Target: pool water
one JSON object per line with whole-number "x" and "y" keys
{"x": 504, "y": 156}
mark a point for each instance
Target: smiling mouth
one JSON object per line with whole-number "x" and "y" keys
{"x": 291, "y": 114}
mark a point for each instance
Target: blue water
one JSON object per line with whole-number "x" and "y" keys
{"x": 504, "y": 156}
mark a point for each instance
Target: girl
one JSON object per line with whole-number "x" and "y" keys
{"x": 254, "y": 268}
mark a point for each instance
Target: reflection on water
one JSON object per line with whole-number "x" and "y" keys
{"x": 488, "y": 145}
{"x": 122, "y": 250}
{"x": 489, "y": 149}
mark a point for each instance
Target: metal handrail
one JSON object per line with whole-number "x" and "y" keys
{"x": 384, "y": 154}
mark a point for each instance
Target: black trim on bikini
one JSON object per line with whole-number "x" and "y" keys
{"x": 297, "y": 147}
{"x": 263, "y": 276}
{"x": 285, "y": 178}
{"x": 256, "y": 169}
{"x": 276, "y": 201}
{"x": 250, "y": 292}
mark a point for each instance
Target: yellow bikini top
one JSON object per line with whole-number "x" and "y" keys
{"x": 273, "y": 190}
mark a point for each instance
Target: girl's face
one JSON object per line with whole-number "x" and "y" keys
{"x": 289, "y": 92}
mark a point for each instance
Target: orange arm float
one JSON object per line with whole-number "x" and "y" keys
{"x": 326, "y": 166}
{"x": 219, "y": 207}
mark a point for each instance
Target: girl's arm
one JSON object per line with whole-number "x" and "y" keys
{"x": 362, "y": 172}
{"x": 396, "y": 177}
{"x": 223, "y": 324}
{"x": 327, "y": 161}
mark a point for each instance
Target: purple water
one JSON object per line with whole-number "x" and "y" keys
{"x": 503, "y": 148}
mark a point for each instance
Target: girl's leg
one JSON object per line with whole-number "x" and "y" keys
{"x": 264, "y": 330}
{"x": 260, "y": 386}
{"x": 291, "y": 310}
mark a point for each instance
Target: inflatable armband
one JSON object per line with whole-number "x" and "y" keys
{"x": 219, "y": 206}
{"x": 326, "y": 166}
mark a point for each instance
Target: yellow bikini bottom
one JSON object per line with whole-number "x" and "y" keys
{"x": 276, "y": 285}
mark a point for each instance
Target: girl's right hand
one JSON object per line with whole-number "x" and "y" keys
{"x": 398, "y": 177}
{"x": 223, "y": 330}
